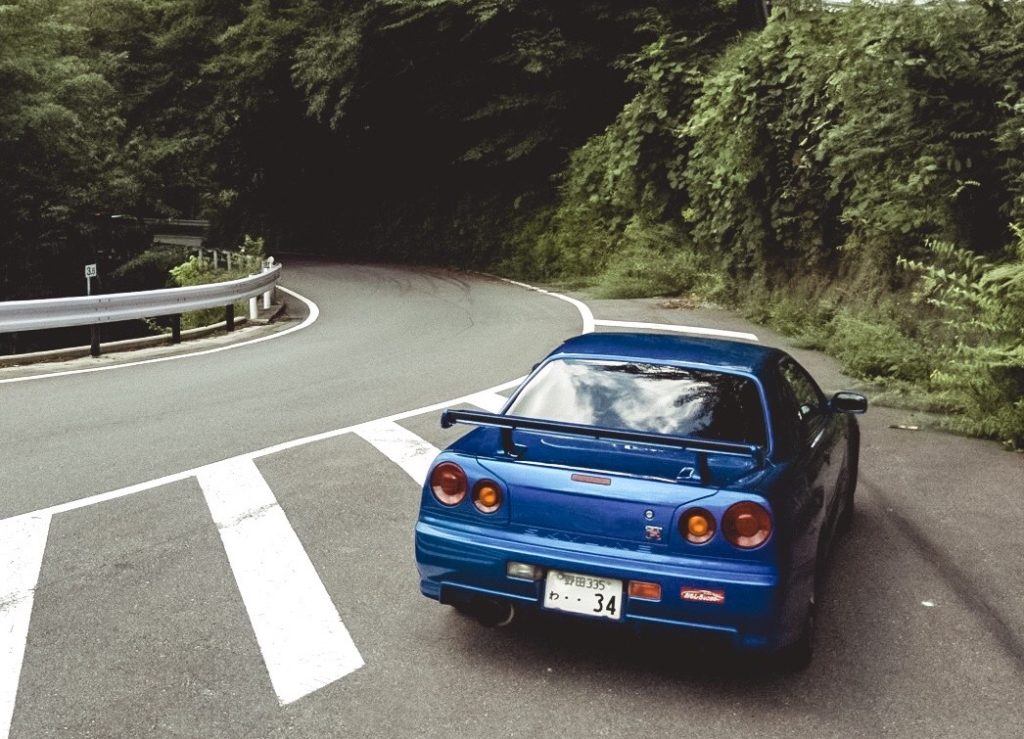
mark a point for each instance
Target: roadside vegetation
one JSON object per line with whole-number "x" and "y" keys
{"x": 853, "y": 178}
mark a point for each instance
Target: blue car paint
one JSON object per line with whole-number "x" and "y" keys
{"x": 549, "y": 520}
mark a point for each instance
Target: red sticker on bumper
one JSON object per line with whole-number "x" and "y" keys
{"x": 702, "y": 596}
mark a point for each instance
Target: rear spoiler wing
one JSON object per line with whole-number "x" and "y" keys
{"x": 508, "y": 424}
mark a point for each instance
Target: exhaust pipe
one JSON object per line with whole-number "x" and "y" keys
{"x": 492, "y": 612}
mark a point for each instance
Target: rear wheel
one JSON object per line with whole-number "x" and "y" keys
{"x": 797, "y": 656}
{"x": 845, "y": 522}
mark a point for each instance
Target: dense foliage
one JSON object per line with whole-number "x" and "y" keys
{"x": 819, "y": 173}
{"x": 797, "y": 171}
{"x": 397, "y": 128}
{"x": 59, "y": 145}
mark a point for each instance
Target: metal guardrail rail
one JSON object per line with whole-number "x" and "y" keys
{"x": 94, "y": 310}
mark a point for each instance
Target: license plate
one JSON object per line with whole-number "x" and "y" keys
{"x": 583, "y": 594}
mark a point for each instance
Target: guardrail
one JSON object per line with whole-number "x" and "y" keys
{"x": 95, "y": 310}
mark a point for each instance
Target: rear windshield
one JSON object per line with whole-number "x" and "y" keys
{"x": 654, "y": 398}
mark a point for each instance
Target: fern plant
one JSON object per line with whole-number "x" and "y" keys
{"x": 983, "y": 305}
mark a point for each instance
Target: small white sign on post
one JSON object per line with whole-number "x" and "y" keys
{"x": 90, "y": 272}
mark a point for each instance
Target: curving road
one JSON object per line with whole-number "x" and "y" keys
{"x": 152, "y": 614}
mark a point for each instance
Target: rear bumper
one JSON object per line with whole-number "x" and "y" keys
{"x": 457, "y": 560}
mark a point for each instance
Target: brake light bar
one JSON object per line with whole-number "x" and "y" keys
{"x": 508, "y": 424}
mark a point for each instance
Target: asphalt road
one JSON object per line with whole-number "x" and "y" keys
{"x": 141, "y": 625}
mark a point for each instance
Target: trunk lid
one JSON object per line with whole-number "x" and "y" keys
{"x": 606, "y": 492}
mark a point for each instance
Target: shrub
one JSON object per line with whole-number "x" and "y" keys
{"x": 983, "y": 305}
{"x": 147, "y": 271}
{"x": 653, "y": 260}
{"x": 201, "y": 272}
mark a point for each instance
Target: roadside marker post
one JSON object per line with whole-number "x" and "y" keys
{"x": 90, "y": 272}
{"x": 94, "y": 330}
{"x": 268, "y": 264}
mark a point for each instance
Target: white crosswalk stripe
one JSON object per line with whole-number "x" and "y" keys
{"x": 22, "y": 543}
{"x": 410, "y": 452}
{"x": 304, "y": 643}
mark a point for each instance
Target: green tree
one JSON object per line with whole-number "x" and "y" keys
{"x": 59, "y": 157}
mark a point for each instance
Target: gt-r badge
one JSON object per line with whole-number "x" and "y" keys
{"x": 653, "y": 533}
{"x": 701, "y": 595}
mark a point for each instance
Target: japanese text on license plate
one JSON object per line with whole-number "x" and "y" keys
{"x": 583, "y": 594}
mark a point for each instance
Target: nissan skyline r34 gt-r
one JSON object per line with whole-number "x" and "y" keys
{"x": 648, "y": 479}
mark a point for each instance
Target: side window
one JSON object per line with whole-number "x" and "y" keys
{"x": 801, "y": 388}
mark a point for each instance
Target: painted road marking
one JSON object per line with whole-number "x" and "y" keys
{"x": 22, "y": 543}
{"x": 305, "y": 645}
{"x": 409, "y": 451}
{"x": 140, "y": 487}
{"x": 698, "y": 330}
{"x": 583, "y": 308}
{"x": 314, "y": 313}
{"x": 488, "y": 401}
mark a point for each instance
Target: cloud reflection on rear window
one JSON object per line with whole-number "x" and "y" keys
{"x": 645, "y": 397}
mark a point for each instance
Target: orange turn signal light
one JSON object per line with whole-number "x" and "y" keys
{"x": 644, "y": 590}
{"x": 697, "y": 526}
{"x": 487, "y": 496}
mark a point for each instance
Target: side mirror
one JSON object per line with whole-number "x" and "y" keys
{"x": 847, "y": 402}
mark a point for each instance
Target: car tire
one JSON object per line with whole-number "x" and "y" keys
{"x": 796, "y": 656}
{"x": 845, "y": 522}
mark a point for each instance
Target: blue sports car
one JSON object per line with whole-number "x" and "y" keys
{"x": 648, "y": 479}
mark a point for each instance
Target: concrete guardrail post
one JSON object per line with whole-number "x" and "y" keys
{"x": 269, "y": 294}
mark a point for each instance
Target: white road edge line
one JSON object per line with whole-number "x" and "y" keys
{"x": 583, "y": 308}
{"x": 409, "y": 451}
{"x": 304, "y": 643}
{"x": 74, "y": 505}
{"x": 314, "y": 313}
{"x": 265, "y": 555}
{"x": 22, "y": 544}
{"x": 488, "y": 401}
{"x": 699, "y": 330}
{"x": 588, "y": 326}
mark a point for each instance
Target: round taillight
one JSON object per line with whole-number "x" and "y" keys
{"x": 448, "y": 482}
{"x": 487, "y": 496}
{"x": 747, "y": 525}
{"x": 697, "y": 526}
